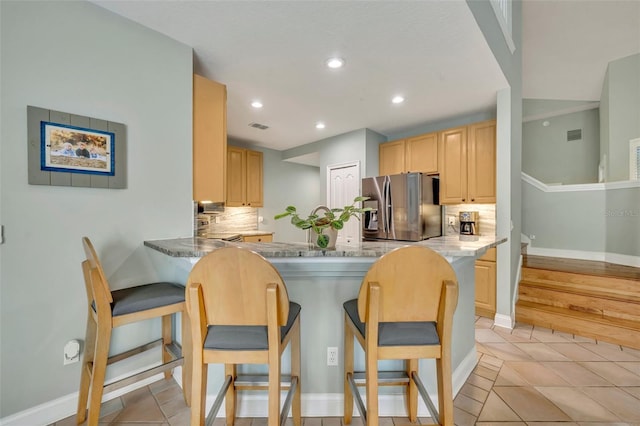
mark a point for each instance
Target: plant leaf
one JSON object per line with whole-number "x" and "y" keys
{"x": 337, "y": 224}
{"x": 322, "y": 241}
{"x": 281, "y": 215}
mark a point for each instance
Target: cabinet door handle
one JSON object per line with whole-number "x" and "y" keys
{"x": 463, "y": 199}
{"x": 473, "y": 199}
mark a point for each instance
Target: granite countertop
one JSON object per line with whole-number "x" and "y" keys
{"x": 450, "y": 246}
{"x": 232, "y": 234}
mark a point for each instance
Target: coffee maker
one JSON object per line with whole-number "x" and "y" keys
{"x": 469, "y": 223}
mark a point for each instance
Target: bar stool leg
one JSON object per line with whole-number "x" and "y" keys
{"x": 445, "y": 391}
{"x": 232, "y": 394}
{"x": 167, "y": 338}
{"x": 85, "y": 373}
{"x": 198, "y": 387}
{"x": 187, "y": 369}
{"x": 295, "y": 371}
{"x": 412, "y": 390}
{"x": 348, "y": 369}
{"x": 274, "y": 391}
{"x": 98, "y": 374}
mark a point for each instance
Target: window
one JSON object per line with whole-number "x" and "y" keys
{"x": 634, "y": 159}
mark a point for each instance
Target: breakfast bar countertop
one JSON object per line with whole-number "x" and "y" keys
{"x": 449, "y": 246}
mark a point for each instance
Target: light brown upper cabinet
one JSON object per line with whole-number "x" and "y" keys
{"x": 468, "y": 164}
{"x": 244, "y": 178}
{"x": 209, "y": 140}
{"x": 482, "y": 162}
{"x": 415, "y": 154}
{"x": 391, "y": 157}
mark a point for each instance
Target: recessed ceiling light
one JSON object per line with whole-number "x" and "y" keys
{"x": 320, "y": 125}
{"x": 397, "y": 99}
{"x": 256, "y": 104}
{"x": 335, "y": 62}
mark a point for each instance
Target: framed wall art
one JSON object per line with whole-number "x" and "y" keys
{"x": 73, "y": 150}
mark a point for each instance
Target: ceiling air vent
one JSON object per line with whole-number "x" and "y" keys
{"x": 574, "y": 135}
{"x": 258, "y": 126}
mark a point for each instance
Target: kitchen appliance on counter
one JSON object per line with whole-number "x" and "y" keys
{"x": 469, "y": 223}
{"x": 403, "y": 207}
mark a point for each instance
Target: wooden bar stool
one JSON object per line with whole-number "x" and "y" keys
{"x": 107, "y": 310}
{"x": 404, "y": 310}
{"x": 241, "y": 314}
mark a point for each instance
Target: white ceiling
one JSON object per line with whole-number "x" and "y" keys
{"x": 432, "y": 52}
{"x": 566, "y": 45}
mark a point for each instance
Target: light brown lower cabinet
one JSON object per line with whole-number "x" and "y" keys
{"x": 266, "y": 238}
{"x": 486, "y": 284}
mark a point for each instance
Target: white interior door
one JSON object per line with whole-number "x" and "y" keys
{"x": 343, "y": 187}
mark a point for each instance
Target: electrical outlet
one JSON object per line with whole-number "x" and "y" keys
{"x": 332, "y": 356}
{"x": 452, "y": 220}
{"x": 71, "y": 352}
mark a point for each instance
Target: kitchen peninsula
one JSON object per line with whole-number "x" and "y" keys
{"x": 321, "y": 280}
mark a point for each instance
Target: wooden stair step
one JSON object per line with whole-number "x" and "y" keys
{"x": 614, "y": 288}
{"x": 582, "y": 267}
{"x": 603, "y": 306}
{"x": 614, "y": 330}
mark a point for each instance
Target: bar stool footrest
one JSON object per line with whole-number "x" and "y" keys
{"x": 385, "y": 378}
{"x": 143, "y": 375}
{"x": 260, "y": 381}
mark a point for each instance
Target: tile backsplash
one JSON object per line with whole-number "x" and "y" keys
{"x": 487, "y": 212}
{"x": 217, "y": 218}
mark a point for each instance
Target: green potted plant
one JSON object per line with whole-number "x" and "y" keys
{"x": 331, "y": 221}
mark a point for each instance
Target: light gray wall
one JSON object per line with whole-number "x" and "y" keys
{"x": 535, "y": 107}
{"x": 550, "y": 158}
{"x": 623, "y": 78}
{"x": 358, "y": 145}
{"x": 285, "y": 184}
{"x": 344, "y": 148}
{"x": 78, "y": 58}
{"x": 564, "y": 220}
{"x": 622, "y": 218}
{"x": 509, "y": 156}
{"x": 372, "y": 153}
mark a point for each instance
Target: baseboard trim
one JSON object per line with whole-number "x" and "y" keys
{"x": 504, "y": 321}
{"x": 65, "y": 406}
{"x": 622, "y": 259}
{"x": 568, "y": 254}
{"x": 313, "y": 404}
{"x": 332, "y": 404}
{"x": 619, "y": 259}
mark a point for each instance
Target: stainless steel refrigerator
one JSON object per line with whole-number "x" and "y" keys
{"x": 403, "y": 207}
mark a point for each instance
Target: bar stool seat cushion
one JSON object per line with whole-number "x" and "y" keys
{"x": 143, "y": 297}
{"x": 416, "y": 333}
{"x": 246, "y": 337}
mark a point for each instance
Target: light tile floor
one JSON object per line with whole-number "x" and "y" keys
{"x": 525, "y": 376}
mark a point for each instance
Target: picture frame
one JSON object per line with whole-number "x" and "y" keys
{"x": 74, "y": 149}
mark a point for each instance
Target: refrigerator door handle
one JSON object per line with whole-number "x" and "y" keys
{"x": 388, "y": 203}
